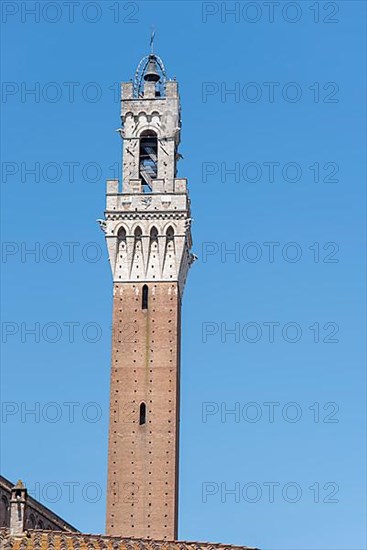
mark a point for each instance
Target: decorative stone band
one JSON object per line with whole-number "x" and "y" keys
{"x": 149, "y": 251}
{"x": 149, "y": 245}
{"x": 114, "y": 216}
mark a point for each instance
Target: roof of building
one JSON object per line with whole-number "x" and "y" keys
{"x": 35, "y": 508}
{"x": 61, "y": 540}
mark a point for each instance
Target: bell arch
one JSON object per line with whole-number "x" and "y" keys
{"x": 148, "y": 159}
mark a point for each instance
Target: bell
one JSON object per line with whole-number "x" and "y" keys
{"x": 151, "y": 73}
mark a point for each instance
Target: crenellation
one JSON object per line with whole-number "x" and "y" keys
{"x": 126, "y": 90}
{"x": 112, "y": 187}
{"x": 172, "y": 89}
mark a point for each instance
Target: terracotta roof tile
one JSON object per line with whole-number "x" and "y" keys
{"x": 55, "y": 540}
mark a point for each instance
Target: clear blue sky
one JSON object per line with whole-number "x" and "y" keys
{"x": 319, "y": 457}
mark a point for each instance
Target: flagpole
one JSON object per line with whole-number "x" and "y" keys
{"x": 152, "y": 41}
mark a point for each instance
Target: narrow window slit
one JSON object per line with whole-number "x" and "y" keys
{"x": 142, "y": 414}
{"x": 144, "y": 302}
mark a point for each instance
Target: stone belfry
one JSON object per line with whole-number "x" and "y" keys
{"x": 147, "y": 226}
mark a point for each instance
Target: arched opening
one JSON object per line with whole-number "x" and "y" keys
{"x": 154, "y": 233}
{"x": 144, "y": 297}
{"x": 30, "y": 522}
{"x": 121, "y": 234}
{"x": 170, "y": 233}
{"x": 148, "y": 159}
{"x": 142, "y": 414}
{"x": 138, "y": 233}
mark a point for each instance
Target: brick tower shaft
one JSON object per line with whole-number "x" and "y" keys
{"x": 143, "y": 440}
